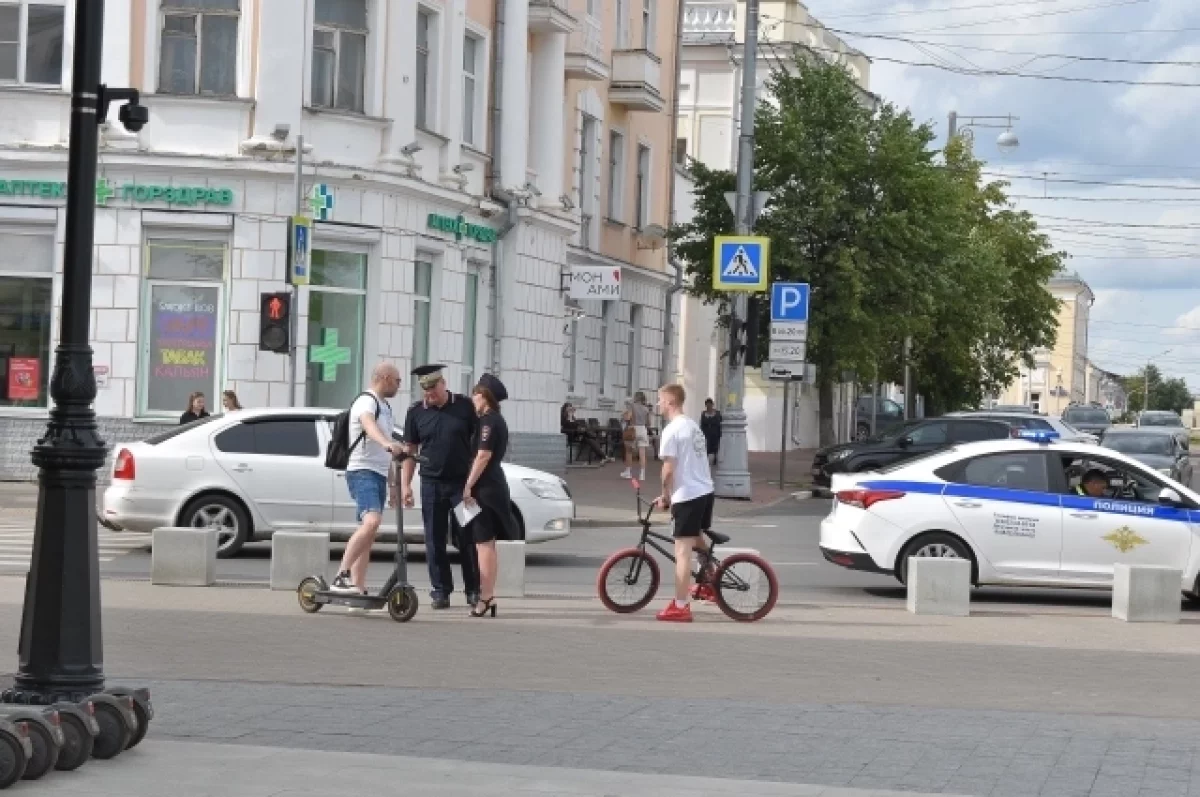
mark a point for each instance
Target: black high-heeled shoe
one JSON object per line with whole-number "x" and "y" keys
{"x": 489, "y": 605}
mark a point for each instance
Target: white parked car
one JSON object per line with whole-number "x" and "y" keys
{"x": 254, "y": 472}
{"x": 1015, "y": 508}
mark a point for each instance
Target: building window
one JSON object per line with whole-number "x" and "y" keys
{"x": 31, "y": 42}
{"x": 472, "y": 50}
{"x": 605, "y": 353}
{"x": 181, "y": 339}
{"x": 616, "y": 175}
{"x": 424, "y": 27}
{"x": 681, "y": 151}
{"x": 587, "y": 179}
{"x": 339, "y": 56}
{"x": 648, "y": 31}
{"x": 622, "y": 24}
{"x": 642, "y": 216}
{"x": 337, "y": 310}
{"x": 26, "y": 298}
{"x": 422, "y": 306}
{"x": 198, "y": 50}
{"x": 470, "y": 330}
{"x": 635, "y": 347}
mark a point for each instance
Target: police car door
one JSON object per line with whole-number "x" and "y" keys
{"x": 1012, "y": 519}
{"x": 1130, "y": 528}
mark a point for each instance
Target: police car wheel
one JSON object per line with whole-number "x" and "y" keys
{"x": 936, "y": 545}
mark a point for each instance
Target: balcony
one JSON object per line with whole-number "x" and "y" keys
{"x": 636, "y": 81}
{"x": 710, "y": 20}
{"x": 550, "y": 16}
{"x": 585, "y": 52}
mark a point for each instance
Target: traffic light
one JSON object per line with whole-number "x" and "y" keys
{"x": 274, "y": 324}
{"x": 737, "y": 340}
{"x": 753, "y": 316}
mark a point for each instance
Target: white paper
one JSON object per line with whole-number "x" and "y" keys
{"x": 464, "y": 513}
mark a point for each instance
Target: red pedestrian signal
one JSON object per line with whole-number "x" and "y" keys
{"x": 275, "y": 322}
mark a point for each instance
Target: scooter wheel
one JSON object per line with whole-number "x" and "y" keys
{"x": 402, "y": 604}
{"x": 306, "y": 594}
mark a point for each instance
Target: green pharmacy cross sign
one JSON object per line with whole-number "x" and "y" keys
{"x": 320, "y": 202}
{"x": 329, "y": 355}
{"x": 138, "y": 193}
{"x": 461, "y": 228}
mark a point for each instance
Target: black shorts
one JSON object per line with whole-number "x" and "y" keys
{"x": 691, "y": 518}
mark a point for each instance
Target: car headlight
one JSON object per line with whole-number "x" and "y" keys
{"x": 545, "y": 489}
{"x": 836, "y": 455}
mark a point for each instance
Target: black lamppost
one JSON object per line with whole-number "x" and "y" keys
{"x": 61, "y": 653}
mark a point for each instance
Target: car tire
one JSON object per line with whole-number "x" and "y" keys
{"x": 937, "y": 544}
{"x": 224, "y": 513}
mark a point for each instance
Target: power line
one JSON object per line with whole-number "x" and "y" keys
{"x": 1076, "y": 181}
{"x": 1021, "y": 17}
{"x": 1138, "y": 200}
{"x": 942, "y": 10}
{"x": 1104, "y": 223}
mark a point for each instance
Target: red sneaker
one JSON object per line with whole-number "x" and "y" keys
{"x": 675, "y": 614}
{"x": 704, "y": 592}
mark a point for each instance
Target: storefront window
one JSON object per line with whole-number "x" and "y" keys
{"x": 26, "y": 298}
{"x": 337, "y": 305}
{"x": 182, "y": 327}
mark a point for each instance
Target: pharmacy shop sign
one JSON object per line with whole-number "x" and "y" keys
{"x": 178, "y": 195}
{"x": 460, "y": 228}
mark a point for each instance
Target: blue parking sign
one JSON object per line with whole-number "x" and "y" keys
{"x": 789, "y": 301}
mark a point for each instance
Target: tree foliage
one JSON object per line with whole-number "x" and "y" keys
{"x": 894, "y": 241}
{"x": 1165, "y": 394}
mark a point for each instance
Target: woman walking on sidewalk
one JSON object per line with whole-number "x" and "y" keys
{"x": 710, "y": 425}
{"x": 637, "y": 422}
{"x": 487, "y": 488}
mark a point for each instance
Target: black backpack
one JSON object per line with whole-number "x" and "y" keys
{"x": 337, "y": 453}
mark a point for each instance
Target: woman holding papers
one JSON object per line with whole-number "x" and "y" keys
{"x": 487, "y": 491}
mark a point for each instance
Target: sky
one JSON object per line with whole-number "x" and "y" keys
{"x": 1111, "y": 170}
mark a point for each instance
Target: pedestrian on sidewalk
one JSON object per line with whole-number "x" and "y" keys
{"x": 488, "y": 489}
{"x": 368, "y": 473}
{"x": 710, "y": 425}
{"x": 440, "y": 427}
{"x": 229, "y": 401}
{"x": 687, "y": 490}
{"x": 195, "y": 409}
{"x": 636, "y": 434}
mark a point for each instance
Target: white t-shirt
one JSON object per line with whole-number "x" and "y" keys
{"x": 369, "y": 455}
{"x": 683, "y": 441}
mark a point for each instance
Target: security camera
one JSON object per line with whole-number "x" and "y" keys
{"x": 567, "y": 202}
{"x": 532, "y": 189}
{"x": 134, "y": 116}
{"x": 411, "y": 149}
{"x": 280, "y": 133}
{"x": 463, "y": 168}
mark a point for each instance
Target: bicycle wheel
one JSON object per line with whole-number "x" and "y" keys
{"x": 627, "y": 581}
{"x": 746, "y": 587}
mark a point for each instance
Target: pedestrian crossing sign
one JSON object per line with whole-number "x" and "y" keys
{"x": 741, "y": 262}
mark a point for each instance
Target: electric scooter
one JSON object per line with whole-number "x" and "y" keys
{"x": 397, "y": 595}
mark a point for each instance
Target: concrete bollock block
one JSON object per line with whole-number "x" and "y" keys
{"x": 510, "y": 569}
{"x": 296, "y": 555}
{"x": 183, "y": 557}
{"x": 939, "y": 586}
{"x": 1146, "y": 593}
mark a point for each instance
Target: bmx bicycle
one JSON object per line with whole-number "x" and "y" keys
{"x": 743, "y": 585}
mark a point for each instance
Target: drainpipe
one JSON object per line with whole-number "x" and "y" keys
{"x": 495, "y": 325}
{"x": 669, "y": 334}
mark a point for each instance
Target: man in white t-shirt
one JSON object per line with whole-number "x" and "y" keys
{"x": 687, "y": 489}
{"x": 369, "y": 474}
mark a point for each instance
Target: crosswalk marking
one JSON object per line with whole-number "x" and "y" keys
{"x": 16, "y": 544}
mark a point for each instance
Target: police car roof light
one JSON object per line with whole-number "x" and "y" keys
{"x": 1038, "y": 435}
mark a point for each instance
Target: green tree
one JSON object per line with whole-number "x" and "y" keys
{"x": 893, "y": 243}
{"x": 1165, "y": 394}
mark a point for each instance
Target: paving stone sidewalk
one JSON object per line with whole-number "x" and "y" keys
{"x": 992, "y": 753}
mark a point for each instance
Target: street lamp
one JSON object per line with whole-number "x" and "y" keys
{"x": 60, "y": 653}
{"x": 1007, "y": 141}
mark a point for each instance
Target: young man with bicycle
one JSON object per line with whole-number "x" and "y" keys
{"x": 687, "y": 490}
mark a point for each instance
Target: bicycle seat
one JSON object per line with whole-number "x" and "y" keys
{"x": 717, "y": 537}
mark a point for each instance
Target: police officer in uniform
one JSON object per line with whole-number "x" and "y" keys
{"x": 1094, "y": 484}
{"x": 440, "y": 428}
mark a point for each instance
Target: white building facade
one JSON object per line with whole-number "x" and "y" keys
{"x": 426, "y": 247}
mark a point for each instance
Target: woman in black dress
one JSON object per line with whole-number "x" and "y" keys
{"x": 710, "y": 427}
{"x": 195, "y": 410}
{"x": 487, "y": 488}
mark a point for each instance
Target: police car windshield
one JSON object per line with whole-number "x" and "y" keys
{"x": 1160, "y": 419}
{"x": 1153, "y": 444}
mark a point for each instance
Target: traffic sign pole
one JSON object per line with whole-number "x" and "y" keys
{"x": 732, "y": 479}
{"x": 293, "y": 350}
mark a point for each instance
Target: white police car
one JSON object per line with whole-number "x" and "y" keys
{"x": 1017, "y": 509}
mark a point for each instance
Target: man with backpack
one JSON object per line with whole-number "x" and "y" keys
{"x": 368, "y": 466}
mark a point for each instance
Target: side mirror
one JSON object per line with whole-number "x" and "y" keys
{"x": 1169, "y": 497}
{"x": 905, "y": 442}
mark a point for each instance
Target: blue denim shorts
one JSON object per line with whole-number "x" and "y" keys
{"x": 369, "y": 491}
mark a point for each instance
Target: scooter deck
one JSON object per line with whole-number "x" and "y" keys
{"x": 369, "y": 601}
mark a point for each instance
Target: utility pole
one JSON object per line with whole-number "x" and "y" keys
{"x": 1146, "y": 388}
{"x": 732, "y": 479}
{"x": 293, "y": 321}
{"x": 908, "y": 401}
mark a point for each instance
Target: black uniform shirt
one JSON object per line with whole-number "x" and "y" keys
{"x": 492, "y": 435}
{"x": 444, "y": 434}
